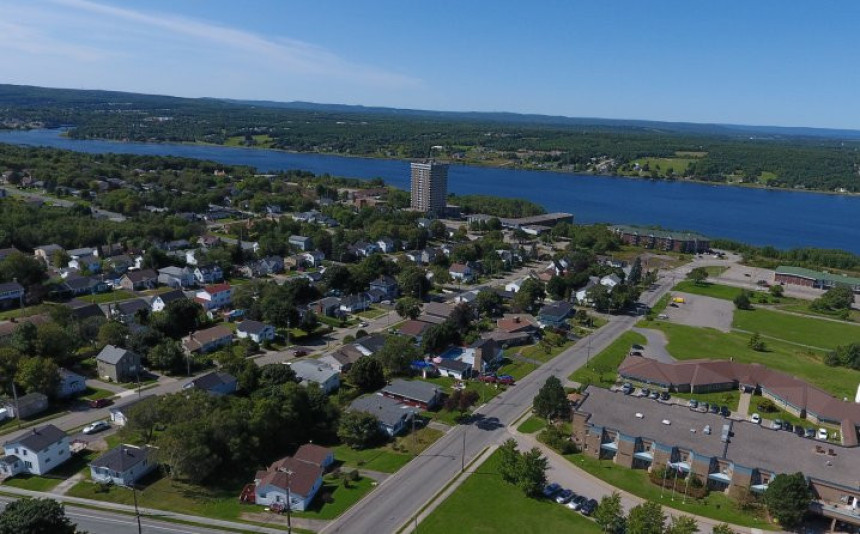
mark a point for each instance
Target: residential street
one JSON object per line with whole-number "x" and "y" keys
{"x": 396, "y": 500}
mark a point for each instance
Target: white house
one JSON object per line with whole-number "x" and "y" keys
{"x": 461, "y": 272}
{"x": 70, "y": 384}
{"x": 208, "y": 340}
{"x": 36, "y": 451}
{"x": 582, "y": 293}
{"x": 288, "y": 482}
{"x": 316, "y": 372}
{"x": 300, "y": 242}
{"x": 314, "y": 258}
{"x": 123, "y": 465}
{"x": 386, "y": 245}
{"x": 610, "y": 281}
{"x": 215, "y": 297}
{"x": 119, "y": 412}
{"x": 515, "y": 286}
{"x": 159, "y": 302}
{"x": 256, "y": 331}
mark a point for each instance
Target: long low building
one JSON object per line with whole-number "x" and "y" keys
{"x": 790, "y": 393}
{"x": 799, "y": 276}
{"x": 722, "y": 453}
{"x": 662, "y": 239}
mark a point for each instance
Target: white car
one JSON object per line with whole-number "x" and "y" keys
{"x": 756, "y": 419}
{"x": 98, "y": 426}
{"x": 822, "y": 434}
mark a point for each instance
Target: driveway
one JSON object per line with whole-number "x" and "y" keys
{"x": 655, "y": 346}
{"x": 706, "y": 312}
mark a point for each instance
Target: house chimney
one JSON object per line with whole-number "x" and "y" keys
{"x": 517, "y": 319}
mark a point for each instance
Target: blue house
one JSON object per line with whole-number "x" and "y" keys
{"x": 555, "y": 314}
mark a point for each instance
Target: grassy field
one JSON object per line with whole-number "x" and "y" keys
{"x": 678, "y": 165}
{"x": 532, "y": 425}
{"x": 537, "y": 352}
{"x": 602, "y": 367}
{"x": 260, "y": 141}
{"x": 372, "y": 313}
{"x": 688, "y": 343}
{"x": 342, "y": 497}
{"x": 32, "y": 482}
{"x": 486, "y": 504}
{"x": 804, "y": 330}
{"x": 391, "y": 456}
{"x": 110, "y": 296}
{"x": 716, "y": 505}
{"x": 708, "y": 289}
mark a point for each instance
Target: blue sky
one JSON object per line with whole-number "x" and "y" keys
{"x": 785, "y": 63}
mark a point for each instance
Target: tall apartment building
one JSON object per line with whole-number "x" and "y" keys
{"x": 429, "y": 186}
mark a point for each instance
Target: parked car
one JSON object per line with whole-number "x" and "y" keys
{"x": 98, "y": 426}
{"x": 788, "y": 426}
{"x": 693, "y": 403}
{"x": 589, "y": 507}
{"x": 724, "y": 411}
{"x": 809, "y": 433}
{"x": 563, "y": 496}
{"x": 627, "y": 388}
{"x": 4, "y": 414}
{"x": 715, "y": 408}
{"x": 798, "y": 430}
{"x": 662, "y": 316}
{"x": 665, "y": 396}
{"x": 551, "y": 489}
{"x": 508, "y": 380}
{"x": 755, "y": 419}
{"x": 363, "y": 324}
{"x": 577, "y": 502}
{"x": 707, "y": 429}
{"x": 776, "y": 424}
{"x": 654, "y": 395}
{"x": 822, "y": 433}
{"x": 636, "y": 346}
{"x": 488, "y": 378}
{"x": 705, "y": 407}
{"x": 99, "y": 403}
{"x": 644, "y": 392}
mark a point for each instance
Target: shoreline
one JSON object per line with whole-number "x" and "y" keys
{"x": 846, "y": 194}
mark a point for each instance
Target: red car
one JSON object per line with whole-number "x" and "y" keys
{"x": 507, "y": 380}
{"x": 488, "y": 378}
{"x": 99, "y": 403}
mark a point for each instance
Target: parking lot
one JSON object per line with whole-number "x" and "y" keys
{"x": 697, "y": 310}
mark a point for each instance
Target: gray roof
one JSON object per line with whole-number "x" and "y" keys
{"x": 251, "y": 327}
{"x": 388, "y": 411}
{"x": 413, "y": 390}
{"x": 372, "y": 343}
{"x": 170, "y": 296}
{"x": 453, "y": 365}
{"x": 11, "y": 286}
{"x": 130, "y": 307}
{"x": 122, "y": 458}
{"x": 29, "y": 399}
{"x": 38, "y": 438}
{"x": 123, "y": 407}
{"x": 211, "y": 380}
{"x": 112, "y": 355}
{"x": 751, "y": 446}
{"x": 172, "y": 271}
{"x": 313, "y": 371}
{"x": 556, "y": 309}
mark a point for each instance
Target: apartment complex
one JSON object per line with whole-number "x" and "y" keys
{"x": 662, "y": 240}
{"x": 429, "y": 186}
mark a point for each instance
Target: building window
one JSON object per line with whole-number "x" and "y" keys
{"x": 28, "y": 464}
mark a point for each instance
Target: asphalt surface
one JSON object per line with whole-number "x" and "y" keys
{"x": 400, "y": 497}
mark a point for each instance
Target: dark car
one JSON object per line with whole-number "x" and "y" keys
{"x": 563, "y": 496}
{"x": 551, "y": 489}
{"x": 809, "y": 433}
{"x": 788, "y": 427}
{"x": 636, "y": 347}
{"x": 578, "y": 502}
{"x": 693, "y": 403}
{"x": 664, "y": 396}
{"x": 645, "y": 392}
{"x": 627, "y": 388}
{"x": 724, "y": 411}
{"x": 705, "y": 406}
{"x": 654, "y": 395}
{"x": 99, "y": 403}
{"x": 798, "y": 430}
{"x": 589, "y": 507}
{"x": 715, "y": 408}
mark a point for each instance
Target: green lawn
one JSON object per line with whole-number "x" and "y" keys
{"x": 716, "y": 505}
{"x": 537, "y": 352}
{"x": 372, "y": 313}
{"x": 602, "y": 367}
{"x": 516, "y": 369}
{"x": 390, "y": 457}
{"x": 96, "y": 394}
{"x": 802, "y": 306}
{"x": 708, "y": 289}
{"x": 805, "y": 330}
{"x": 73, "y": 465}
{"x": 342, "y": 497}
{"x": 32, "y": 482}
{"x": 110, "y": 296}
{"x": 17, "y": 312}
{"x": 688, "y": 343}
{"x": 532, "y": 425}
{"x": 485, "y": 504}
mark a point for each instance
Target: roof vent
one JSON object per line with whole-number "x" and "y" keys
{"x": 639, "y": 415}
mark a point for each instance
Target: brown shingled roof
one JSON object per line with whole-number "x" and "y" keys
{"x": 301, "y": 481}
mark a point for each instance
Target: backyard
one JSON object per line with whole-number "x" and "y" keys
{"x": 601, "y": 369}
{"x": 390, "y": 457}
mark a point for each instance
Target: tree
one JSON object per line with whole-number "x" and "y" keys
{"x": 756, "y": 343}
{"x": 143, "y": 417}
{"x": 777, "y": 290}
{"x": 367, "y": 374}
{"x": 275, "y": 374}
{"x": 397, "y": 355}
{"x": 23, "y": 339}
{"x": 838, "y": 298}
{"x": 525, "y": 470}
{"x": 646, "y": 518}
{"x": 556, "y": 288}
{"x": 167, "y": 356}
{"x": 530, "y": 291}
{"x": 551, "y": 400}
{"x": 178, "y": 318}
{"x": 845, "y": 355}
{"x": 742, "y": 301}
{"x": 112, "y": 333}
{"x": 787, "y": 499}
{"x": 635, "y": 275}
{"x": 610, "y": 514}
{"x": 723, "y": 528}
{"x": 359, "y": 430}
{"x": 35, "y": 516}
{"x": 408, "y": 307}
{"x": 38, "y": 375}
{"x": 682, "y": 524}
{"x": 488, "y": 302}
{"x": 698, "y": 275}
{"x": 413, "y": 282}
{"x": 53, "y": 341}
{"x": 509, "y": 458}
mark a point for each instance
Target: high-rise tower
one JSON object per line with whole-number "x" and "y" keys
{"x": 429, "y": 186}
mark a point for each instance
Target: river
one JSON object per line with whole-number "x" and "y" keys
{"x": 783, "y": 219}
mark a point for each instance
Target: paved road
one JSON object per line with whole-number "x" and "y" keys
{"x": 396, "y": 500}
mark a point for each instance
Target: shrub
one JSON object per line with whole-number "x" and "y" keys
{"x": 767, "y": 406}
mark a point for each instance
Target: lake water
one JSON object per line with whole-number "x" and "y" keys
{"x": 783, "y": 219}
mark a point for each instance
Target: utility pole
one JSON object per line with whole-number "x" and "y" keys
{"x": 289, "y": 501}
{"x": 136, "y": 511}
{"x": 17, "y": 408}
{"x": 463, "y": 461}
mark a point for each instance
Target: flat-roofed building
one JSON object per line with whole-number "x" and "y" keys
{"x": 429, "y": 186}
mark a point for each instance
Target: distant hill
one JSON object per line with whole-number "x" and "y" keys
{"x": 24, "y": 96}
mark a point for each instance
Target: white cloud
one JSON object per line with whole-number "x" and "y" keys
{"x": 80, "y": 43}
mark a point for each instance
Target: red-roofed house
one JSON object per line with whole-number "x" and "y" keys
{"x": 215, "y": 297}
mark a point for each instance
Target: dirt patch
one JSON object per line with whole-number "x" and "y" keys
{"x": 697, "y": 310}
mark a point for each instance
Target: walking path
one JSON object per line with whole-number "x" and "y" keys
{"x": 67, "y": 484}
{"x": 813, "y": 347}
{"x": 744, "y": 405}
